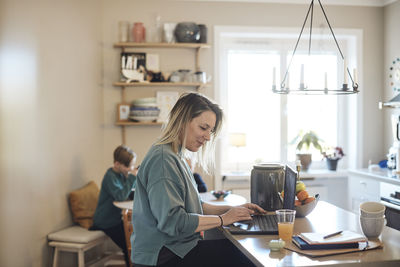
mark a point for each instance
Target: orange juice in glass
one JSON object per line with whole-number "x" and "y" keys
{"x": 285, "y": 223}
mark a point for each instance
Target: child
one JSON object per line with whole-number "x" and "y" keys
{"x": 117, "y": 184}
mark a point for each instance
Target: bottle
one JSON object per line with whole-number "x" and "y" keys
{"x": 138, "y": 32}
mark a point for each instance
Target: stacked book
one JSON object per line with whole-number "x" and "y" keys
{"x": 316, "y": 241}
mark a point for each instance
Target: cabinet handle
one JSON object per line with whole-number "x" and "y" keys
{"x": 363, "y": 183}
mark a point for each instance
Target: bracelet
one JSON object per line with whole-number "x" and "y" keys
{"x": 222, "y": 222}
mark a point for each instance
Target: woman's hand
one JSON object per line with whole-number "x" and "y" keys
{"x": 235, "y": 214}
{"x": 241, "y": 213}
{"x": 254, "y": 207}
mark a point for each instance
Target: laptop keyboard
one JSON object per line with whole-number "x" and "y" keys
{"x": 265, "y": 222}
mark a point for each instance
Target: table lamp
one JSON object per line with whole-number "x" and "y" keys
{"x": 237, "y": 140}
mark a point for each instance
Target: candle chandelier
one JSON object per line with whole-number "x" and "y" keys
{"x": 346, "y": 88}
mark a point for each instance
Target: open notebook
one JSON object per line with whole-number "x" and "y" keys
{"x": 343, "y": 237}
{"x": 268, "y": 224}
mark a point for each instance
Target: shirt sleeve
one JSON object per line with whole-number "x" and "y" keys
{"x": 167, "y": 194}
{"x": 119, "y": 187}
{"x": 169, "y": 209}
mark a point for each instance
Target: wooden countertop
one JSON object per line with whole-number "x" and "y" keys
{"x": 325, "y": 218}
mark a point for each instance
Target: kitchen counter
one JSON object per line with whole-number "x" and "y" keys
{"x": 325, "y": 218}
{"x": 381, "y": 175}
{"x": 323, "y": 173}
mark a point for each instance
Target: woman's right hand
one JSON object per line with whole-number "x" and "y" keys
{"x": 236, "y": 214}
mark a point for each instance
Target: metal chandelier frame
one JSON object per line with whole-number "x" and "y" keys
{"x": 304, "y": 90}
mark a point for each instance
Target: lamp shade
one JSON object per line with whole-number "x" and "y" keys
{"x": 237, "y": 139}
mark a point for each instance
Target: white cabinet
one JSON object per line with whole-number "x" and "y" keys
{"x": 361, "y": 189}
{"x": 330, "y": 189}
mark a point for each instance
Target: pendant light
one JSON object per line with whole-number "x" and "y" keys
{"x": 345, "y": 89}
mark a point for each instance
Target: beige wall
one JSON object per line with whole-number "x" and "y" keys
{"x": 57, "y": 102}
{"x": 51, "y": 119}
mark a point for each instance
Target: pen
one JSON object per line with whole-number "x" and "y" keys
{"x": 333, "y": 234}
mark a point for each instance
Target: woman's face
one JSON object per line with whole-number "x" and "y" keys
{"x": 199, "y": 130}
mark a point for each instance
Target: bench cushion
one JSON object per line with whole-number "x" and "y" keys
{"x": 75, "y": 234}
{"x": 83, "y": 204}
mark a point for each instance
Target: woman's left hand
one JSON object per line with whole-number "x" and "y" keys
{"x": 253, "y": 207}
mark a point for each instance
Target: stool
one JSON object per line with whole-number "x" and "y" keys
{"x": 77, "y": 239}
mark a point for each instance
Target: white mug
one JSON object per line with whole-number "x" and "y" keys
{"x": 372, "y": 209}
{"x": 372, "y": 227}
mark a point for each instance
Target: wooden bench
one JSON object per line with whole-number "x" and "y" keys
{"x": 78, "y": 240}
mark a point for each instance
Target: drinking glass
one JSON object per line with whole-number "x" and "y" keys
{"x": 285, "y": 223}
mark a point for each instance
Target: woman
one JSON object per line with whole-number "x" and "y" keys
{"x": 117, "y": 184}
{"x": 168, "y": 214}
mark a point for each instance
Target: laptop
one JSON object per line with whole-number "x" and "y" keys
{"x": 268, "y": 223}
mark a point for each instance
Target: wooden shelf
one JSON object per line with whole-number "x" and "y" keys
{"x": 165, "y": 84}
{"x": 134, "y": 123}
{"x": 161, "y": 45}
{"x": 197, "y": 47}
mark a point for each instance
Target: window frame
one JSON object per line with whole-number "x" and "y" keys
{"x": 350, "y": 43}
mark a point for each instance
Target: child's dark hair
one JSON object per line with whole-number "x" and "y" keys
{"x": 124, "y": 155}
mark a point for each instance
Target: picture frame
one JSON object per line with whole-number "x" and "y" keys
{"x": 165, "y": 102}
{"x": 123, "y": 112}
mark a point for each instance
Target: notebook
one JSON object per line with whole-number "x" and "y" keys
{"x": 268, "y": 224}
{"x": 342, "y": 238}
{"x": 298, "y": 241}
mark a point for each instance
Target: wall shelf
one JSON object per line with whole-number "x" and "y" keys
{"x": 161, "y": 84}
{"x": 134, "y": 123}
{"x": 161, "y": 45}
{"x": 196, "y": 47}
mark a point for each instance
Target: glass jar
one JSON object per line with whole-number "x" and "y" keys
{"x": 138, "y": 32}
{"x": 267, "y": 182}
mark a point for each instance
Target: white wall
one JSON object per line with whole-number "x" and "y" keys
{"x": 392, "y": 52}
{"x": 57, "y": 102}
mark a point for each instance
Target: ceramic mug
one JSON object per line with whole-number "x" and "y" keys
{"x": 372, "y": 209}
{"x": 372, "y": 227}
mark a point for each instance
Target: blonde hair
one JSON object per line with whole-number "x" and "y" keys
{"x": 188, "y": 107}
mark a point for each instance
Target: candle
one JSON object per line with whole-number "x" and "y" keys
{"x": 274, "y": 76}
{"x": 355, "y": 75}
{"x": 326, "y": 80}
{"x": 345, "y": 72}
{"x": 287, "y": 80}
{"x": 302, "y": 74}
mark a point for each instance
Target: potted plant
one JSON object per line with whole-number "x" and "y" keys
{"x": 305, "y": 141}
{"x": 332, "y": 156}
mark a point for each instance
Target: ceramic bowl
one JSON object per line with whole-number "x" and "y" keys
{"x": 304, "y": 210}
{"x": 141, "y": 112}
{"x": 220, "y": 193}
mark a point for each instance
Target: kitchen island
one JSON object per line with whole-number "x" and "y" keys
{"x": 325, "y": 218}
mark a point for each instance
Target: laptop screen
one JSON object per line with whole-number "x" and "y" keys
{"x": 289, "y": 188}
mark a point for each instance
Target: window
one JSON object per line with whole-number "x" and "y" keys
{"x": 246, "y": 59}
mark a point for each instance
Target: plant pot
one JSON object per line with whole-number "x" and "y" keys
{"x": 332, "y": 164}
{"x": 305, "y": 161}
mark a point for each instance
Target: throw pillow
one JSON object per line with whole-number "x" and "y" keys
{"x": 83, "y": 204}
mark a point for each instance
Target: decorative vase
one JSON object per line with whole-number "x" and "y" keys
{"x": 138, "y": 32}
{"x": 187, "y": 32}
{"x": 332, "y": 164}
{"x": 305, "y": 161}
